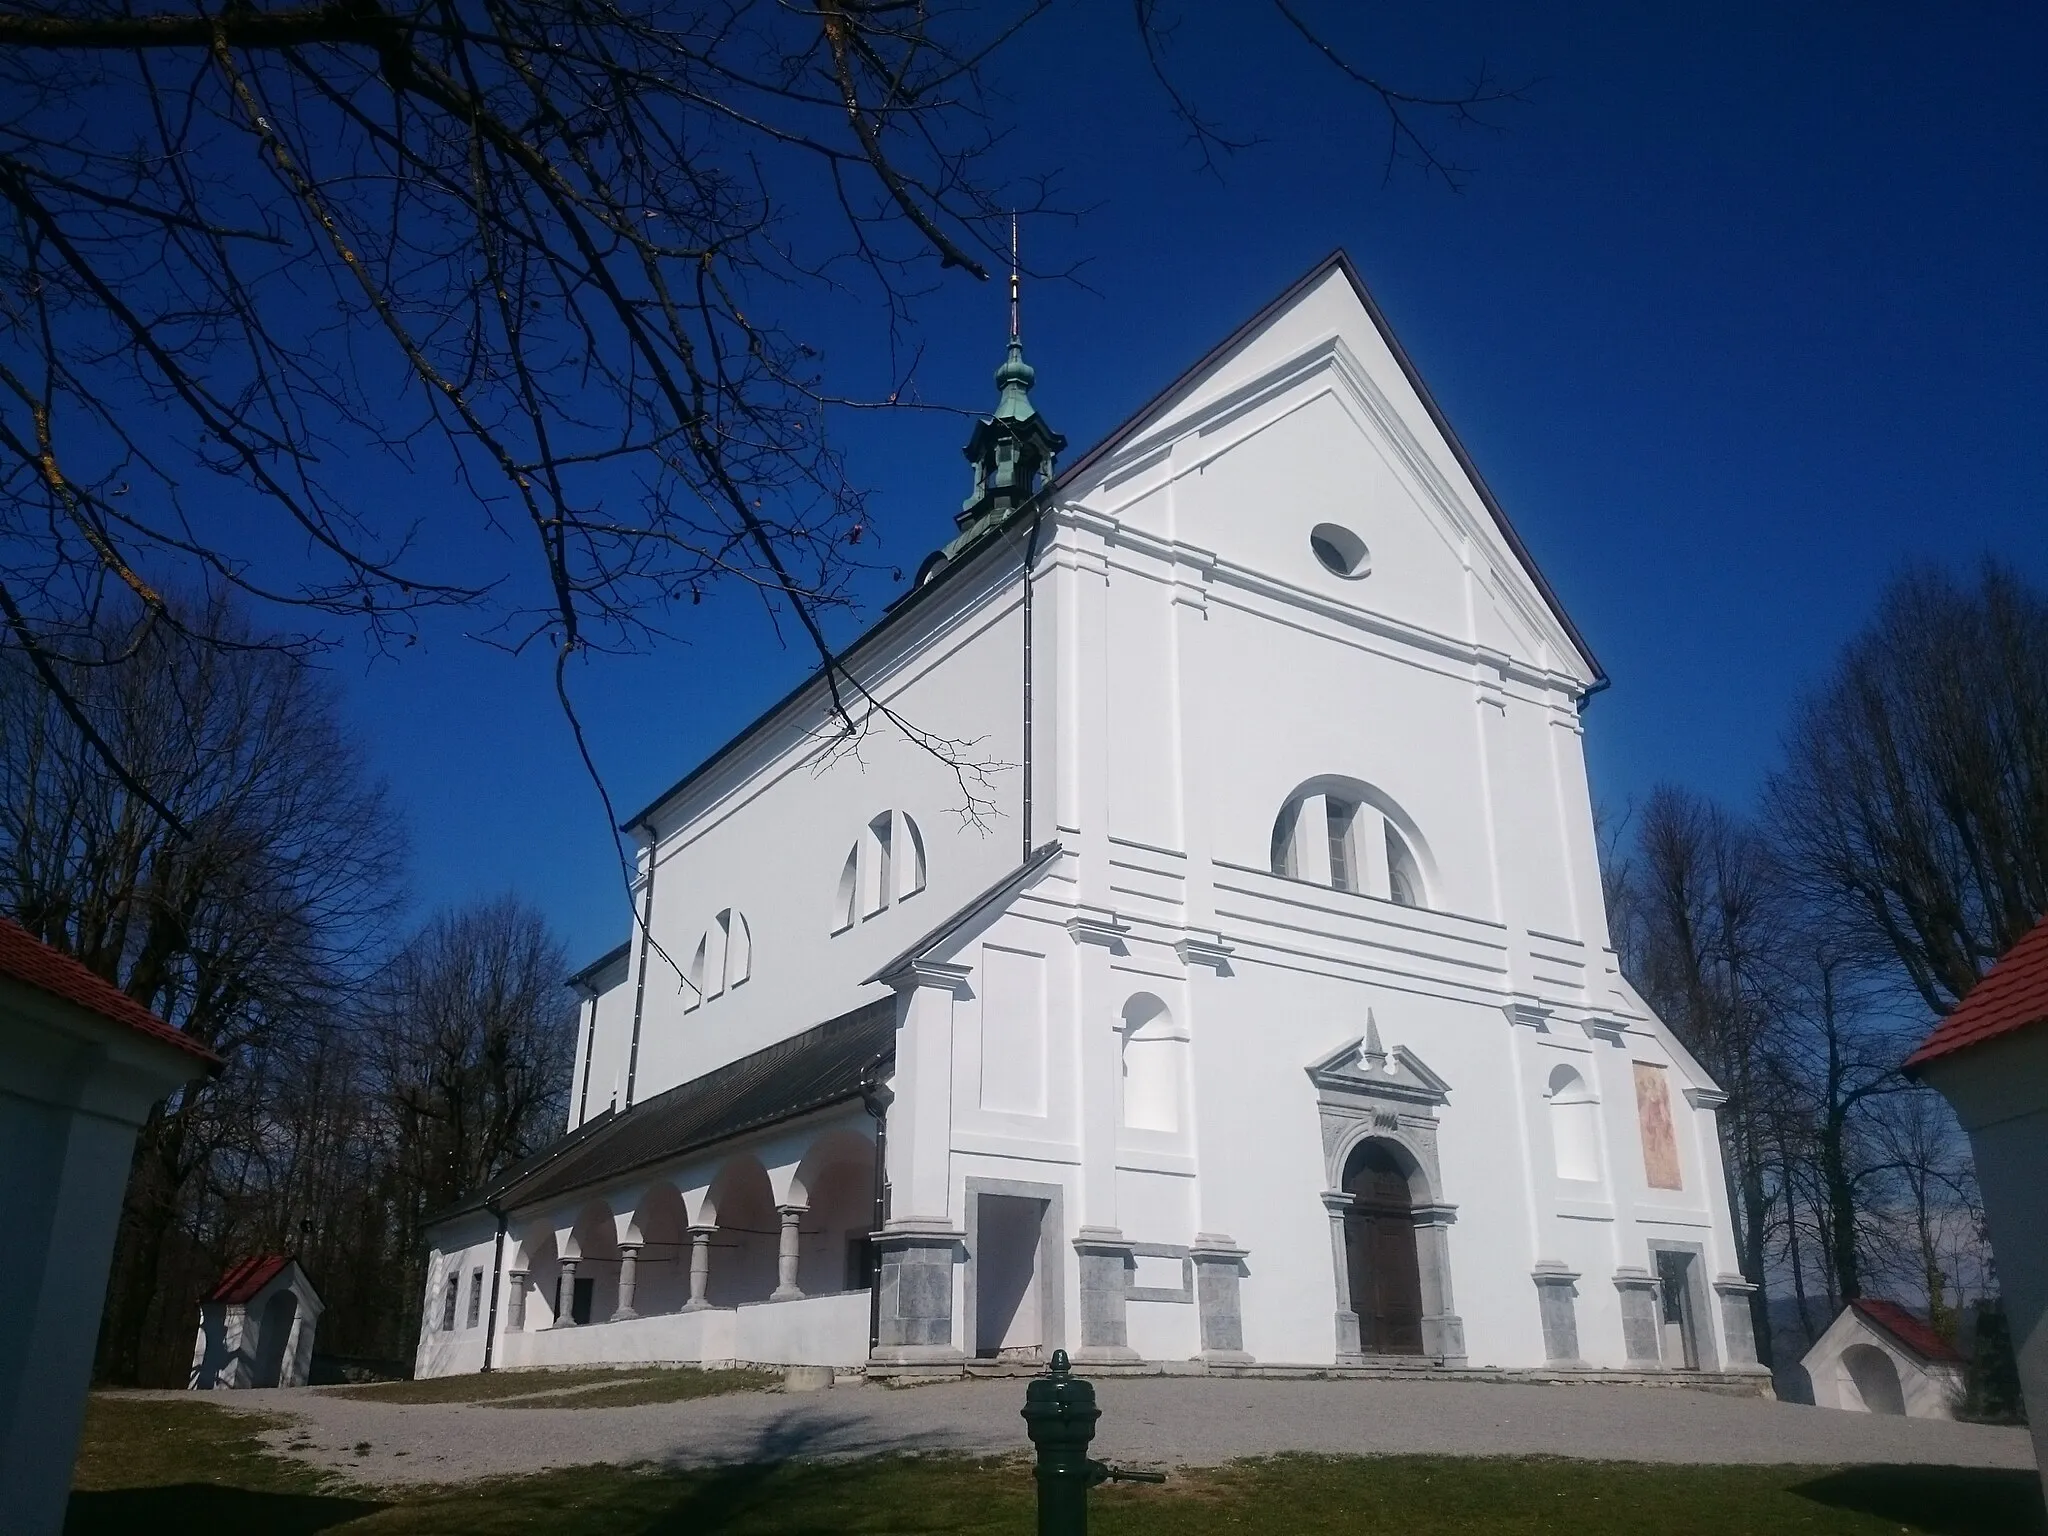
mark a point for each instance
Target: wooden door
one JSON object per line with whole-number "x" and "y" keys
{"x": 1379, "y": 1239}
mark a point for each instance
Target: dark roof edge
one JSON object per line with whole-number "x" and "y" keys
{"x": 909, "y": 602}
{"x": 487, "y": 1198}
{"x": 1041, "y": 856}
{"x": 604, "y": 961}
{"x": 1337, "y": 261}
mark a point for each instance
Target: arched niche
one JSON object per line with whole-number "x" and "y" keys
{"x": 1574, "y": 1125}
{"x": 1875, "y": 1377}
{"x": 1153, "y": 1047}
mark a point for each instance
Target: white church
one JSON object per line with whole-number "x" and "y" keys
{"x": 1198, "y": 962}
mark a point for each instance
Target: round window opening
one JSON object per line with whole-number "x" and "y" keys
{"x": 1342, "y": 552}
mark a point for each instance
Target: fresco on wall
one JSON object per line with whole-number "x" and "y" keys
{"x": 1660, "y": 1141}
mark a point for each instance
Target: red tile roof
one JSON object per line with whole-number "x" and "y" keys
{"x": 2010, "y": 996}
{"x": 1908, "y": 1330}
{"x": 240, "y": 1284}
{"x": 28, "y": 960}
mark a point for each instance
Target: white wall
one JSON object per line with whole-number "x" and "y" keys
{"x": 73, "y": 1090}
{"x": 2000, "y": 1092}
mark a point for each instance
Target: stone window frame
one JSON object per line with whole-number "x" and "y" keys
{"x": 1051, "y": 1277}
{"x": 1185, "y": 1294}
{"x": 1706, "y": 1340}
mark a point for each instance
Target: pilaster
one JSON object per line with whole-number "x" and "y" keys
{"x": 1219, "y": 1265}
{"x": 1738, "y": 1326}
{"x": 1105, "y": 1265}
{"x": 921, "y": 1121}
{"x": 1556, "y": 1301}
{"x": 1639, "y": 1291}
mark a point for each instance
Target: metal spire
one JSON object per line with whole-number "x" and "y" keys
{"x": 1015, "y": 334}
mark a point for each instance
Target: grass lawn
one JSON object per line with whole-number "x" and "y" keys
{"x": 160, "y": 1466}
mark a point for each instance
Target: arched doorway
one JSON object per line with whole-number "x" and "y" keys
{"x": 1379, "y": 1245}
{"x": 1876, "y": 1379}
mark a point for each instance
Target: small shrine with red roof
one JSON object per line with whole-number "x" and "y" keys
{"x": 1989, "y": 1059}
{"x": 256, "y": 1326}
{"x": 1879, "y": 1357}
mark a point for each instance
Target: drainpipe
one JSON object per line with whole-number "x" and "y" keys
{"x": 1030, "y": 556}
{"x": 640, "y": 991}
{"x": 497, "y": 1269}
{"x": 875, "y": 1097}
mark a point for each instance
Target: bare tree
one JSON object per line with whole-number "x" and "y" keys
{"x": 535, "y": 251}
{"x": 1696, "y": 924}
{"x": 242, "y": 931}
{"x": 1913, "y": 804}
{"x": 474, "y": 1032}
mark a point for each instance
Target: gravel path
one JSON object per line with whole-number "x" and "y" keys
{"x": 1159, "y": 1421}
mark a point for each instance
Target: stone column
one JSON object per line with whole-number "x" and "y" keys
{"x": 700, "y": 1268}
{"x": 1639, "y": 1327}
{"x": 1737, "y": 1324}
{"x": 1555, "y": 1293}
{"x": 629, "y": 1277}
{"x": 565, "y": 1313}
{"x": 786, "y": 1288}
{"x": 1105, "y": 1290}
{"x": 1443, "y": 1331}
{"x": 1338, "y": 1204}
{"x": 1219, "y": 1263}
{"x": 515, "y": 1301}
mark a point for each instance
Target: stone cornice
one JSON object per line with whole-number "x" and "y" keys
{"x": 915, "y": 972}
{"x": 1212, "y": 952}
{"x": 1102, "y": 928}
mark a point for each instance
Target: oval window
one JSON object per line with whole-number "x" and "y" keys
{"x": 1342, "y": 552}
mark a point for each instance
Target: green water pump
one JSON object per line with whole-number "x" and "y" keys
{"x": 1060, "y": 1413}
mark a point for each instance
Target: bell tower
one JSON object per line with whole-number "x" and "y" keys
{"x": 1013, "y": 450}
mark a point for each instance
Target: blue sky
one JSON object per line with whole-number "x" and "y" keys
{"x": 1740, "y": 312}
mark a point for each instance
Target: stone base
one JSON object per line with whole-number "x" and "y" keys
{"x": 1744, "y": 1383}
{"x": 1105, "y": 1354}
{"x": 916, "y": 1355}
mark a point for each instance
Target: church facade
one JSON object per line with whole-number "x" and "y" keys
{"x": 1194, "y": 957}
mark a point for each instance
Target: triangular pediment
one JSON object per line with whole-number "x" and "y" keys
{"x": 1361, "y": 1067}
{"x": 1314, "y": 404}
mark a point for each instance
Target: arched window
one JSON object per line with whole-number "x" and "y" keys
{"x": 723, "y": 959}
{"x": 1574, "y": 1125}
{"x": 1346, "y": 835}
{"x": 1154, "y": 1066}
{"x": 884, "y": 866}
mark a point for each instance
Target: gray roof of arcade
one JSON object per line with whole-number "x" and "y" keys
{"x": 823, "y": 1066}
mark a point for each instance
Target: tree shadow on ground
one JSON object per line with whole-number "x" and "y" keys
{"x": 793, "y": 1476}
{"x": 210, "y": 1507}
{"x": 1945, "y": 1501}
